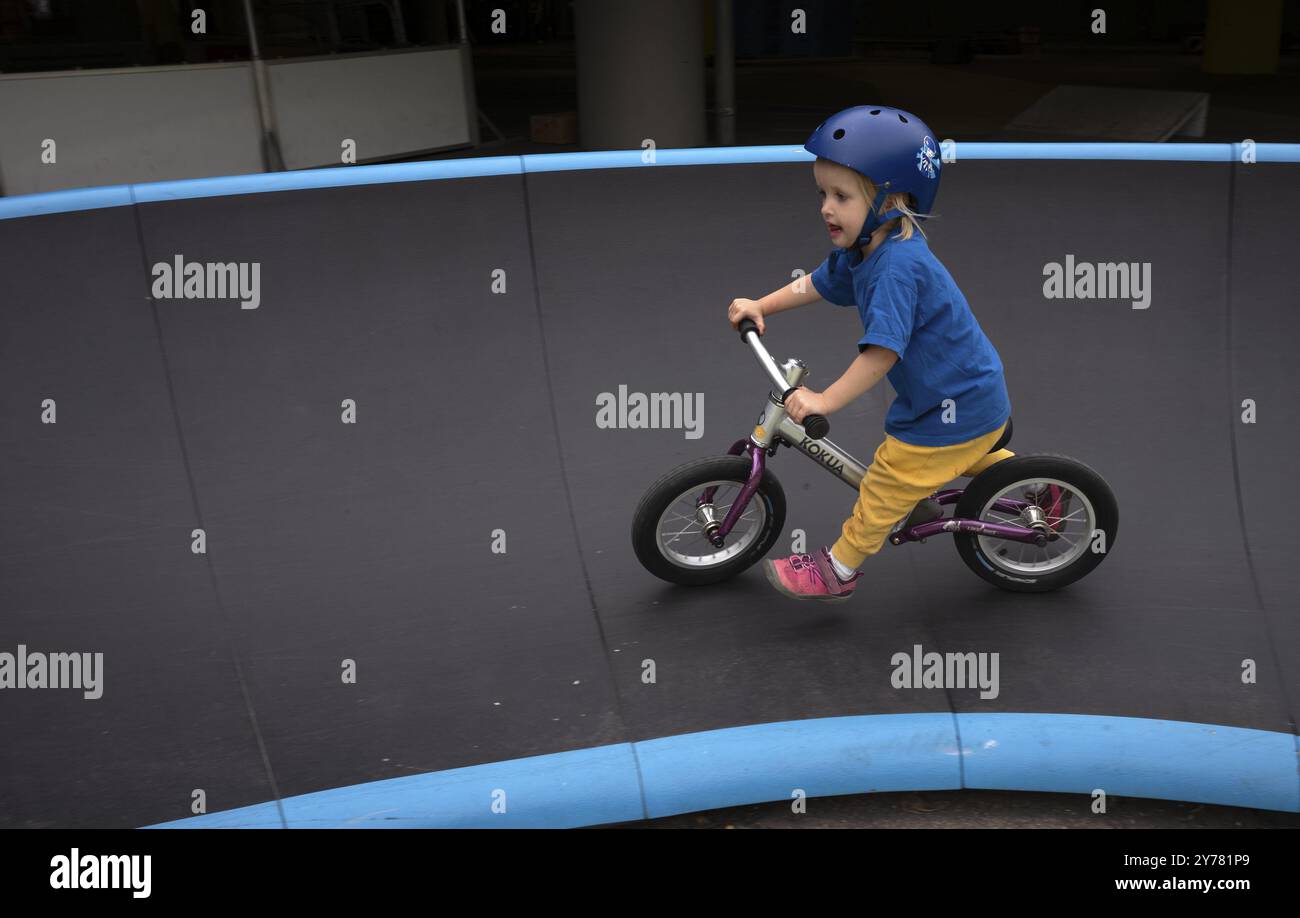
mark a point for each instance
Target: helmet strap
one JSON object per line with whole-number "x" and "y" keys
{"x": 874, "y": 220}
{"x": 872, "y": 223}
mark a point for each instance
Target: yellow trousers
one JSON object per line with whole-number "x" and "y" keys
{"x": 900, "y": 475}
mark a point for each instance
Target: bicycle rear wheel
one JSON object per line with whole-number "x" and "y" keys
{"x": 1076, "y": 506}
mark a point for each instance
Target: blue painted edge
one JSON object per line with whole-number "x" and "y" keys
{"x": 1059, "y": 753}
{"x": 1153, "y": 152}
{"x": 690, "y": 156}
{"x": 55, "y": 202}
{"x": 50, "y": 202}
{"x": 337, "y": 177}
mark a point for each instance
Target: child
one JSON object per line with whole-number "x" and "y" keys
{"x": 878, "y": 169}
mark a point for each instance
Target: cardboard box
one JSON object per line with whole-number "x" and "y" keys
{"x": 557, "y": 127}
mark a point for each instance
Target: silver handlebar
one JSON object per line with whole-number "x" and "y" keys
{"x": 785, "y": 378}
{"x": 780, "y": 380}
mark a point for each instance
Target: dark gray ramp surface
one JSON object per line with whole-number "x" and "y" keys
{"x": 1264, "y": 321}
{"x": 372, "y": 543}
{"x": 1160, "y": 630}
{"x": 95, "y": 548}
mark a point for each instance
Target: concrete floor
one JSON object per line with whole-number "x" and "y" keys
{"x": 781, "y": 101}
{"x": 977, "y": 809}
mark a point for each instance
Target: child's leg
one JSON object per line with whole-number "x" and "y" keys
{"x": 988, "y": 459}
{"x": 985, "y": 461}
{"x": 901, "y": 474}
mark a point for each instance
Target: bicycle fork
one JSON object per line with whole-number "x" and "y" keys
{"x": 760, "y": 444}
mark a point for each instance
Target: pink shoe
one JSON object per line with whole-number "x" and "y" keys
{"x": 809, "y": 577}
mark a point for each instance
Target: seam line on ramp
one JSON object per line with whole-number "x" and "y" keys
{"x": 947, "y": 692}
{"x": 222, "y": 612}
{"x": 568, "y": 493}
{"x": 1236, "y": 466}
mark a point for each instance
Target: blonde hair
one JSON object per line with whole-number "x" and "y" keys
{"x": 899, "y": 200}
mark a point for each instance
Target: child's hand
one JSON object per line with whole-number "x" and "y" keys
{"x": 803, "y": 402}
{"x": 741, "y": 309}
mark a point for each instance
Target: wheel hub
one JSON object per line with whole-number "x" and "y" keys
{"x": 708, "y": 519}
{"x": 1034, "y": 517}
{"x": 686, "y": 531}
{"x": 1047, "y": 529}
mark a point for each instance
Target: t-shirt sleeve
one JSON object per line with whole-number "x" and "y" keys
{"x": 833, "y": 280}
{"x": 890, "y": 313}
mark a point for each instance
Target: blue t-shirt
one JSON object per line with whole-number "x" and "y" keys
{"x": 910, "y": 304}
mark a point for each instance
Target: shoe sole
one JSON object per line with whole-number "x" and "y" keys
{"x": 775, "y": 579}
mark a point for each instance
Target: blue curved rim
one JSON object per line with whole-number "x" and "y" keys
{"x": 1060, "y": 753}
{"x": 50, "y": 202}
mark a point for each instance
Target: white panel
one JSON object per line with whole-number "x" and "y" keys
{"x": 390, "y": 104}
{"x": 136, "y": 125}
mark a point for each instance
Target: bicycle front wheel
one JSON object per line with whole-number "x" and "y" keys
{"x": 668, "y": 525}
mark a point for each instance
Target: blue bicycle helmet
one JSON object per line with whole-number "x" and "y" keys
{"x": 894, "y": 148}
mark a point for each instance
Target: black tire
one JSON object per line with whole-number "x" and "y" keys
{"x": 770, "y": 497}
{"x": 1078, "y": 477}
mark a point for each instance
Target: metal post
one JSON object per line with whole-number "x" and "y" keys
{"x": 399, "y": 23}
{"x": 272, "y": 160}
{"x": 460, "y": 22}
{"x": 472, "y": 114}
{"x": 724, "y": 73}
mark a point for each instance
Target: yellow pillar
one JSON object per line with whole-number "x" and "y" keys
{"x": 1242, "y": 36}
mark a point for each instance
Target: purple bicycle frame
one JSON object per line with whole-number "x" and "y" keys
{"x": 916, "y": 533}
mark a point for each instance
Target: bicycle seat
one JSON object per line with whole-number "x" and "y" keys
{"x": 1004, "y": 439}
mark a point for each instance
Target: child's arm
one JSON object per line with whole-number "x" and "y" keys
{"x": 799, "y": 292}
{"x": 862, "y": 374}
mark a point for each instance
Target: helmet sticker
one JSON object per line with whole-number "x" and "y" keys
{"x": 927, "y": 158}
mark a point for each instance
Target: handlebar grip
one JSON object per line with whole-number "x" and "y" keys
{"x": 747, "y": 325}
{"x": 816, "y": 426}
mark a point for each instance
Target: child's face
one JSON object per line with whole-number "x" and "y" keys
{"x": 842, "y": 205}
